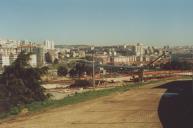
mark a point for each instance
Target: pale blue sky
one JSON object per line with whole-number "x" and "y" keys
{"x": 98, "y": 21}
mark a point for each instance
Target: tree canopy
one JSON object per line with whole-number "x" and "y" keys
{"x": 48, "y": 58}
{"x": 20, "y": 83}
{"x": 62, "y": 71}
{"x": 80, "y": 68}
{"x": 176, "y": 65}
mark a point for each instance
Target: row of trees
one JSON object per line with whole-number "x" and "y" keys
{"x": 79, "y": 69}
{"x": 176, "y": 65}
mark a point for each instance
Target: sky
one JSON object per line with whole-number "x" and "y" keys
{"x": 98, "y": 22}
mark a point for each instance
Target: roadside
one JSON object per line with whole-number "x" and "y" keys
{"x": 77, "y": 98}
{"x": 136, "y": 108}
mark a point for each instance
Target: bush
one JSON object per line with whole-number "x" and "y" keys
{"x": 81, "y": 68}
{"x": 62, "y": 71}
{"x": 43, "y": 70}
{"x": 48, "y": 58}
{"x": 177, "y": 65}
{"x": 82, "y": 83}
{"x": 15, "y": 110}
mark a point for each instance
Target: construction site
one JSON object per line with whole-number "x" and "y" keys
{"x": 125, "y": 97}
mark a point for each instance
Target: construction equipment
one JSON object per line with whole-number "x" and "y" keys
{"x": 135, "y": 70}
{"x": 142, "y": 68}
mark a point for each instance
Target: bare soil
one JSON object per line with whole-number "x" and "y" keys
{"x": 137, "y": 108}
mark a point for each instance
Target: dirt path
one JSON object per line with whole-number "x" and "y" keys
{"x": 137, "y": 108}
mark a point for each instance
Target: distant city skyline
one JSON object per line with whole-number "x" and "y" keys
{"x": 98, "y": 22}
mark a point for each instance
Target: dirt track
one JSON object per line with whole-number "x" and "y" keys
{"x": 137, "y": 108}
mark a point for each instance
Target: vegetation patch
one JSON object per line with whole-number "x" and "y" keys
{"x": 20, "y": 85}
{"x": 77, "y": 98}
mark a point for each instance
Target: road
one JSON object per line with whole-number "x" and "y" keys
{"x": 137, "y": 108}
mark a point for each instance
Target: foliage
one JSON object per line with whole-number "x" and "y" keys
{"x": 15, "y": 110}
{"x": 62, "y": 71}
{"x": 82, "y": 84}
{"x": 56, "y": 61}
{"x": 176, "y": 65}
{"x": 80, "y": 69}
{"x": 21, "y": 83}
{"x": 89, "y": 58}
{"x": 43, "y": 70}
{"x": 73, "y": 72}
{"x": 48, "y": 58}
{"x": 78, "y": 97}
{"x": 60, "y": 56}
{"x": 71, "y": 64}
{"x": 97, "y": 60}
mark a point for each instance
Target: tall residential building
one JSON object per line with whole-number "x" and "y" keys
{"x": 33, "y": 60}
{"x": 40, "y": 52}
{"x": 49, "y": 45}
{"x": 139, "y": 49}
{"x": 4, "y": 60}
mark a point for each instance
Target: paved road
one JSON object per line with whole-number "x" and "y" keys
{"x": 137, "y": 108}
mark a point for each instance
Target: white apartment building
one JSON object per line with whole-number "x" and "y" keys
{"x": 33, "y": 60}
{"x": 4, "y": 60}
{"x": 124, "y": 59}
{"x": 49, "y": 45}
{"x": 139, "y": 49}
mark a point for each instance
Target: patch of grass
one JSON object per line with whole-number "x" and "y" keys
{"x": 13, "y": 111}
{"x": 4, "y": 115}
{"x": 77, "y": 98}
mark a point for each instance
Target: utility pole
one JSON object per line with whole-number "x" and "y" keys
{"x": 192, "y": 69}
{"x": 93, "y": 67}
{"x": 192, "y": 75}
{"x": 142, "y": 75}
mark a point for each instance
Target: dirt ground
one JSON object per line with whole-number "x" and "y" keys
{"x": 137, "y": 108}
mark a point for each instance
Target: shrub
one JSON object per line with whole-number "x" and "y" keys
{"x": 62, "y": 71}
{"x": 82, "y": 83}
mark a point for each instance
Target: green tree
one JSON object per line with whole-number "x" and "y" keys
{"x": 21, "y": 82}
{"x": 176, "y": 65}
{"x": 62, "y": 71}
{"x": 48, "y": 58}
{"x": 43, "y": 70}
{"x": 56, "y": 61}
{"x": 60, "y": 56}
{"x": 80, "y": 68}
{"x": 72, "y": 72}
